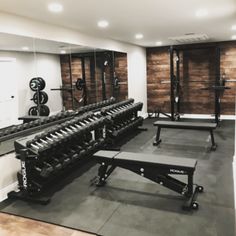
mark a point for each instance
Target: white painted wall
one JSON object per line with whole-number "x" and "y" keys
{"x": 8, "y": 92}
{"x": 9, "y": 166}
{"x": 136, "y": 57}
{"x": 27, "y": 66}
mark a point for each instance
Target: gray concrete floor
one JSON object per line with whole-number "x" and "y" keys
{"x": 131, "y": 205}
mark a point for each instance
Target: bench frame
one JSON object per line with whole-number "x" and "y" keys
{"x": 159, "y": 174}
{"x": 157, "y": 140}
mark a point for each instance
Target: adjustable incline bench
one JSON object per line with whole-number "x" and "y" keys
{"x": 185, "y": 125}
{"x": 157, "y": 168}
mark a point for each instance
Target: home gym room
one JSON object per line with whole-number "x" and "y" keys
{"x": 117, "y": 118}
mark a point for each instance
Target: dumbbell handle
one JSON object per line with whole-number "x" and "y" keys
{"x": 39, "y": 144}
{"x": 34, "y": 146}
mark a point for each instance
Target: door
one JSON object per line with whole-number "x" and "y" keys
{"x": 8, "y": 92}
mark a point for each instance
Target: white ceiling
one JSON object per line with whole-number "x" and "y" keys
{"x": 10, "y": 42}
{"x": 157, "y": 20}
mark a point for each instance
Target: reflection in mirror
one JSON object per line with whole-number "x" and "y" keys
{"x": 111, "y": 75}
{"x": 17, "y": 67}
{"x": 42, "y": 77}
{"x": 78, "y": 74}
{"x": 48, "y": 65}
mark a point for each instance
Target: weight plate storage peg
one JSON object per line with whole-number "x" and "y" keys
{"x": 37, "y": 83}
{"x": 43, "y": 97}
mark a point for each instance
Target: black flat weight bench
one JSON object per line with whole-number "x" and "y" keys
{"x": 157, "y": 168}
{"x": 185, "y": 125}
{"x": 27, "y": 119}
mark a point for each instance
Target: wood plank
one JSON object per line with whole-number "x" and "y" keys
{"x": 11, "y": 225}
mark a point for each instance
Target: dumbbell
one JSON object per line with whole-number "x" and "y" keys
{"x": 31, "y": 124}
{"x": 66, "y": 159}
{"x": 73, "y": 155}
{"x": 44, "y": 120}
{"x": 55, "y": 164}
{"x": 37, "y": 122}
{"x": 120, "y": 124}
{"x": 10, "y": 131}
{"x": 44, "y": 171}
{"x": 128, "y": 113}
{"x": 88, "y": 146}
{"x": 98, "y": 142}
{"x": 81, "y": 151}
{"x": 25, "y": 126}
{"x": 36, "y": 146}
{"x": 46, "y": 140}
{"x": 115, "y": 109}
{"x": 42, "y": 142}
{"x": 61, "y": 115}
{"x": 71, "y": 129}
{"x": 122, "y": 104}
{"x": 96, "y": 120}
{"x": 101, "y": 141}
{"x": 93, "y": 144}
{"x": 59, "y": 131}
{"x": 59, "y": 162}
{"x": 85, "y": 125}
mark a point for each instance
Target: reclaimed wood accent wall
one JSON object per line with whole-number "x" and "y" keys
{"x": 93, "y": 74}
{"x": 76, "y": 72}
{"x": 121, "y": 69}
{"x": 195, "y": 65}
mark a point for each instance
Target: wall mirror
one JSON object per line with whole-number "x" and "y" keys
{"x": 43, "y": 77}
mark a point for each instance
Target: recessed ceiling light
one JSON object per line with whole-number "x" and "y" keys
{"x": 103, "y": 23}
{"x": 233, "y": 37}
{"x": 201, "y": 13}
{"x": 63, "y": 51}
{"x": 233, "y": 27}
{"x": 158, "y": 43}
{"x": 138, "y": 36}
{"x": 25, "y": 48}
{"x": 55, "y": 7}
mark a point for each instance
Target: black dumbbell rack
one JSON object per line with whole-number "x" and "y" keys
{"x": 47, "y": 156}
{"x": 125, "y": 119}
{"x": 13, "y": 133}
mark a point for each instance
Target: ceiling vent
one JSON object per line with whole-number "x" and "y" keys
{"x": 189, "y": 38}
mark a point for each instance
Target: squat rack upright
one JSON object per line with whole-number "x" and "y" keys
{"x": 218, "y": 87}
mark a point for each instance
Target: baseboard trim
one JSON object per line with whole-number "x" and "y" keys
{"x": 4, "y": 191}
{"x": 198, "y": 116}
{"x": 144, "y": 115}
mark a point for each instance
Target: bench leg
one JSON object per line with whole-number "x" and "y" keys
{"x": 213, "y": 144}
{"x": 157, "y": 139}
{"x": 103, "y": 174}
{"x": 191, "y": 194}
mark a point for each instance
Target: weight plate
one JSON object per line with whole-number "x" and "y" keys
{"x": 33, "y": 111}
{"x": 80, "y": 83}
{"x": 37, "y": 83}
{"x": 42, "y": 82}
{"x": 44, "y": 110}
{"x": 43, "y": 97}
{"x": 34, "y": 84}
